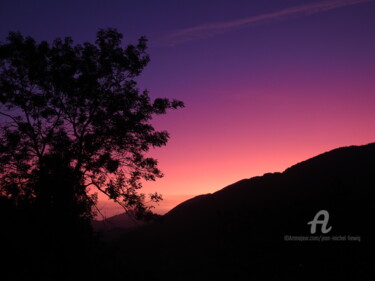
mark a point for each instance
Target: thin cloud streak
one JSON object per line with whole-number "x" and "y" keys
{"x": 212, "y": 29}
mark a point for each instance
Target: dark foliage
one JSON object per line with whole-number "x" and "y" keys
{"x": 72, "y": 118}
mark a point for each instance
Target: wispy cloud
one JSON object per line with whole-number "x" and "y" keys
{"x": 212, "y": 29}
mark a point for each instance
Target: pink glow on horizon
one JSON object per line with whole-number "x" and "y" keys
{"x": 255, "y": 134}
{"x": 264, "y": 98}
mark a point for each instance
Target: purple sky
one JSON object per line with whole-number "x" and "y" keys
{"x": 267, "y": 83}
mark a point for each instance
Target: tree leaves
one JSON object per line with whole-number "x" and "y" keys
{"x": 79, "y": 102}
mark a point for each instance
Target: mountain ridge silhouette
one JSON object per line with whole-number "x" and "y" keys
{"x": 238, "y": 232}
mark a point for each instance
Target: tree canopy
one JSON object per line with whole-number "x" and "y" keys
{"x": 73, "y": 118}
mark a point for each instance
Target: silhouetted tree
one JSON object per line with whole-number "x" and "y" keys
{"x": 77, "y": 104}
{"x": 72, "y": 118}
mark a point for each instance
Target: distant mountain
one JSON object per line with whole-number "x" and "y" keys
{"x": 123, "y": 221}
{"x": 115, "y": 226}
{"x": 243, "y": 231}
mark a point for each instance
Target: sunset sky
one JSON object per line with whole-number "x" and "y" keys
{"x": 266, "y": 83}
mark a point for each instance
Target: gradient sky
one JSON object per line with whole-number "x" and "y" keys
{"x": 266, "y": 83}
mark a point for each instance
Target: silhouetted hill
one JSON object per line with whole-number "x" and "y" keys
{"x": 187, "y": 203}
{"x": 115, "y": 226}
{"x": 240, "y": 232}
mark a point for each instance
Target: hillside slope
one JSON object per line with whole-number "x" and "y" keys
{"x": 241, "y": 231}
